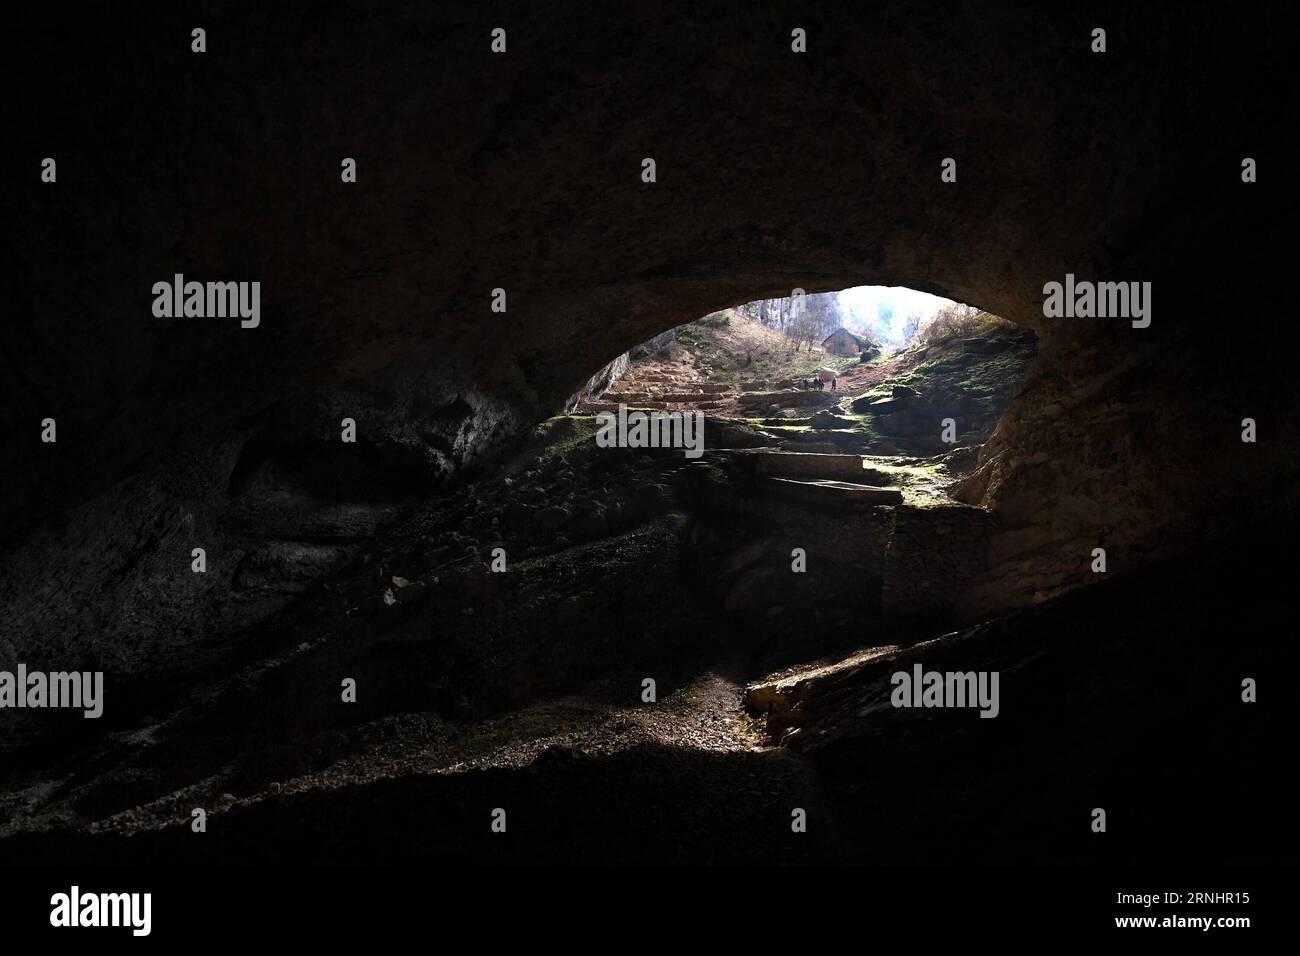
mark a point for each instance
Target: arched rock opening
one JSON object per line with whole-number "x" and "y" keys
{"x": 522, "y": 173}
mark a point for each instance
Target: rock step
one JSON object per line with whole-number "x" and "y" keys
{"x": 839, "y": 495}
{"x": 688, "y": 396}
{"x": 692, "y": 388}
{"x": 820, "y": 448}
{"x": 778, "y": 440}
{"x": 794, "y": 464}
{"x": 624, "y": 396}
{"x": 654, "y": 396}
{"x": 796, "y": 437}
{"x": 674, "y": 397}
{"x": 827, "y": 440}
{"x": 612, "y": 406}
{"x": 791, "y": 399}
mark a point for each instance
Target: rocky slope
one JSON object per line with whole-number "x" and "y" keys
{"x": 1124, "y": 696}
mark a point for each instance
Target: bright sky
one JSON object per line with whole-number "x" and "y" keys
{"x": 883, "y": 310}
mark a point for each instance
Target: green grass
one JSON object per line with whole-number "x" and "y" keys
{"x": 865, "y": 423}
{"x": 989, "y": 381}
{"x": 811, "y": 363}
{"x": 994, "y": 377}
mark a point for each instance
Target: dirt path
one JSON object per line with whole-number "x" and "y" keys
{"x": 688, "y": 779}
{"x": 704, "y": 716}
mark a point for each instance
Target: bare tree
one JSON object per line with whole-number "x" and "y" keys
{"x": 955, "y": 319}
{"x": 911, "y": 327}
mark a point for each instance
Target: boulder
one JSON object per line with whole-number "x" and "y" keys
{"x": 828, "y": 419}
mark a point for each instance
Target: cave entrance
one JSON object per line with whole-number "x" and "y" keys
{"x": 870, "y": 370}
{"x": 841, "y": 431}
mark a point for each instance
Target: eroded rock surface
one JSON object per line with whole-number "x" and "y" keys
{"x": 479, "y": 172}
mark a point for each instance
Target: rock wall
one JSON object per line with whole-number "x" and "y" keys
{"x": 609, "y": 373}
{"x": 275, "y": 504}
{"x": 1135, "y": 448}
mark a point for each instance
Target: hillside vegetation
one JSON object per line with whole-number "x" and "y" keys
{"x": 729, "y": 347}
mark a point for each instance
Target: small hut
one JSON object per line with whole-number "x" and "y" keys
{"x": 847, "y": 344}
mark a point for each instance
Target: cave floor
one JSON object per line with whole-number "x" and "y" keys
{"x": 1124, "y": 695}
{"x": 522, "y": 691}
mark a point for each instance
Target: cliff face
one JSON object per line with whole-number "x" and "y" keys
{"x": 522, "y": 172}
